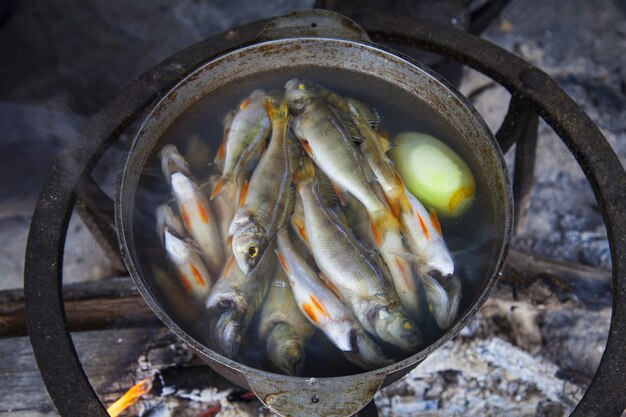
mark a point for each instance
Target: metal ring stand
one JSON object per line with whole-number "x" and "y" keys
{"x": 533, "y": 93}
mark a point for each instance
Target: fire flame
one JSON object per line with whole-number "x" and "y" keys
{"x": 130, "y": 397}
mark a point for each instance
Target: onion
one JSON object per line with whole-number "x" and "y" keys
{"x": 434, "y": 173}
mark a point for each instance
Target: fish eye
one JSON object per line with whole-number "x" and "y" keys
{"x": 253, "y": 251}
{"x": 301, "y": 87}
{"x": 407, "y": 325}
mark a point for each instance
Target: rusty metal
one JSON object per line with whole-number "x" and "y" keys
{"x": 65, "y": 379}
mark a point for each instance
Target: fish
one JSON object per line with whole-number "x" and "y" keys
{"x": 187, "y": 259}
{"x": 348, "y": 265}
{"x": 224, "y": 209}
{"x": 269, "y": 198}
{"x": 198, "y": 219}
{"x": 327, "y": 141}
{"x": 246, "y": 138}
{"x": 425, "y": 238}
{"x": 325, "y": 310}
{"x": 393, "y": 253}
{"x": 234, "y": 300}
{"x": 167, "y": 220}
{"x": 443, "y": 298}
{"x": 284, "y": 328}
{"x": 172, "y": 162}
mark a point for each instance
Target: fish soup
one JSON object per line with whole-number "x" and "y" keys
{"x": 471, "y": 238}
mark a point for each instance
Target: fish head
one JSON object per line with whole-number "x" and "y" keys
{"x": 298, "y": 94}
{"x": 439, "y": 261}
{"x": 443, "y": 296}
{"x": 172, "y": 162}
{"x": 285, "y": 349}
{"x": 393, "y": 326}
{"x": 249, "y": 244}
{"x": 225, "y": 332}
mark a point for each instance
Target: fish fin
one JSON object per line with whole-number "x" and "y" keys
{"x": 185, "y": 281}
{"x": 229, "y": 241}
{"x": 274, "y": 112}
{"x": 244, "y": 103}
{"x": 228, "y": 266}
{"x": 318, "y": 306}
{"x": 395, "y": 206}
{"x": 435, "y": 221}
{"x": 381, "y": 222}
{"x": 368, "y": 114}
{"x": 327, "y": 189}
{"x": 339, "y": 192}
{"x": 244, "y": 193}
{"x": 205, "y": 217}
{"x": 217, "y": 188}
{"x": 309, "y": 312}
{"x": 221, "y": 151}
{"x": 329, "y": 284}
{"x": 282, "y": 261}
{"x": 197, "y": 276}
{"x": 423, "y": 225}
{"x": 299, "y": 225}
{"x": 384, "y": 141}
{"x": 306, "y": 170}
{"x": 290, "y": 207}
{"x": 185, "y": 217}
{"x": 348, "y": 124}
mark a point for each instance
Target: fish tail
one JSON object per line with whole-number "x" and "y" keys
{"x": 382, "y": 222}
{"x": 276, "y": 112}
{"x": 306, "y": 171}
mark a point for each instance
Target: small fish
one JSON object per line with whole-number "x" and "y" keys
{"x": 187, "y": 259}
{"x": 443, "y": 299}
{"x": 323, "y": 308}
{"x": 172, "y": 162}
{"x": 425, "y": 238}
{"x": 234, "y": 300}
{"x": 268, "y": 199}
{"x": 167, "y": 220}
{"x": 326, "y": 140}
{"x": 283, "y": 327}
{"x": 246, "y": 138}
{"x": 198, "y": 219}
{"x": 348, "y": 266}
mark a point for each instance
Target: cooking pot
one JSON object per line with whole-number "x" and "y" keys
{"x": 301, "y": 40}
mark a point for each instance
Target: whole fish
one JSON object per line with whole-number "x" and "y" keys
{"x": 443, "y": 299}
{"x": 198, "y": 219}
{"x": 420, "y": 226}
{"x": 268, "y": 199}
{"x": 425, "y": 238}
{"x": 347, "y": 264}
{"x": 187, "y": 259}
{"x": 234, "y": 300}
{"x": 172, "y": 162}
{"x": 327, "y": 141}
{"x": 392, "y": 250}
{"x": 285, "y": 330}
{"x": 325, "y": 310}
{"x": 246, "y": 135}
{"x": 167, "y": 220}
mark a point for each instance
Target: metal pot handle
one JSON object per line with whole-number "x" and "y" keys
{"x": 313, "y": 23}
{"x": 290, "y": 396}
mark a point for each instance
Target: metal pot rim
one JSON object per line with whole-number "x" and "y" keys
{"x": 124, "y": 230}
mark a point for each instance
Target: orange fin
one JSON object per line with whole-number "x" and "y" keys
{"x": 423, "y": 225}
{"x": 221, "y": 151}
{"x": 298, "y": 223}
{"x": 329, "y": 284}
{"x": 337, "y": 189}
{"x": 185, "y": 217}
{"x": 304, "y": 171}
{"x": 196, "y": 275}
{"x": 217, "y": 187}
{"x": 244, "y": 104}
{"x": 381, "y": 224}
{"x": 185, "y": 281}
{"x": 276, "y": 113}
{"x": 244, "y": 193}
{"x": 282, "y": 261}
{"x": 318, "y": 306}
{"x": 435, "y": 221}
{"x": 204, "y": 216}
{"x": 229, "y": 265}
{"x": 308, "y": 310}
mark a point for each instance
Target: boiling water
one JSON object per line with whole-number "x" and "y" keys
{"x": 197, "y": 134}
